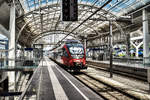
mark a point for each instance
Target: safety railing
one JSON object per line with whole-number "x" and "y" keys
{"x": 128, "y": 61}
{"x": 19, "y": 63}
{"x": 146, "y": 61}
{"x": 32, "y": 89}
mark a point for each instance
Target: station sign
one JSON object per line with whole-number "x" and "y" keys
{"x": 28, "y": 49}
{"x": 38, "y": 46}
{"x": 69, "y": 10}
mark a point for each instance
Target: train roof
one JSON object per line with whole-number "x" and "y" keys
{"x": 67, "y": 42}
{"x": 72, "y": 41}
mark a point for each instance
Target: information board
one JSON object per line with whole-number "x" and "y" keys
{"x": 69, "y": 10}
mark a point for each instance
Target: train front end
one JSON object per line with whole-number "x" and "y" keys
{"x": 77, "y": 59}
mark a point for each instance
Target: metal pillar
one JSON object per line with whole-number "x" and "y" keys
{"x": 85, "y": 42}
{"x": 11, "y": 54}
{"x": 137, "y": 52}
{"x": 110, "y": 50}
{"x": 146, "y": 38}
{"x": 128, "y": 45}
{"x": 6, "y": 53}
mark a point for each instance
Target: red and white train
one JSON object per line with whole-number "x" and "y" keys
{"x": 73, "y": 55}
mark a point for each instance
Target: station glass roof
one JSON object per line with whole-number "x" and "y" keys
{"x": 114, "y": 6}
{"x": 44, "y": 16}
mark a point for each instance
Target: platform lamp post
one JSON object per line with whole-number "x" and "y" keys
{"x": 110, "y": 49}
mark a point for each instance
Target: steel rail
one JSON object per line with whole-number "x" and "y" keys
{"x": 98, "y": 86}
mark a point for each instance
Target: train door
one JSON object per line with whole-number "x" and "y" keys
{"x": 65, "y": 57}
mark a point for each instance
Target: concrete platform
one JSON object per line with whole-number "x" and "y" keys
{"x": 125, "y": 64}
{"x": 57, "y": 84}
{"x": 137, "y": 69}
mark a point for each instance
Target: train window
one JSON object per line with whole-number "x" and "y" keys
{"x": 65, "y": 53}
{"x": 63, "y": 49}
{"x": 76, "y": 49}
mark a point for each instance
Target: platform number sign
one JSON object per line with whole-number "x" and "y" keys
{"x": 69, "y": 10}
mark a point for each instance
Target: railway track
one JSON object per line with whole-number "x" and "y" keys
{"x": 106, "y": 87}
{"x": 123, "y": 72}
{"x": 107, "y": 92}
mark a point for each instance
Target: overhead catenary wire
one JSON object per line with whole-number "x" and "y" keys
{"x": 84, "y": 21}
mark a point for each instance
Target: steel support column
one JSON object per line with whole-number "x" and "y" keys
{"x": 110, "y": 50}
{"x": 12, "y": 43}
{"x": 146, "y": 38}
{"x": 128, "y": 45}
{"x": 85, "y": 42}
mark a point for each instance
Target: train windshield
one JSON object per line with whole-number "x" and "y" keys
{"x": 76, "y": 49}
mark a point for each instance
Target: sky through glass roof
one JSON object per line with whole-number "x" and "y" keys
{"x": 115, "y": 6}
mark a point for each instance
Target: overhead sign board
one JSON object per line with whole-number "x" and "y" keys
{"x": 69, "y": 10}
{"x": 38, "y": 46}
